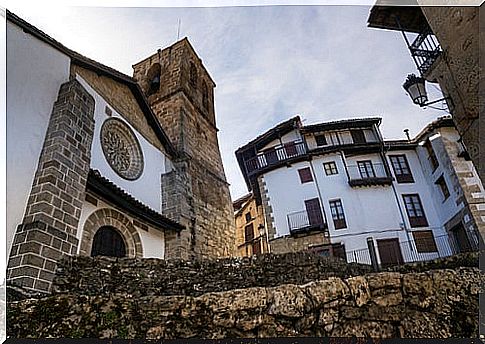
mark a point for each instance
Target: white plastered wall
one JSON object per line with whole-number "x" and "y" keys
{"x": 147, "y": 188}
{"x": 35, "y": 73}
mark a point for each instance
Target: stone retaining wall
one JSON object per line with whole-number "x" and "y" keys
{"x": 438, "y": 303}
{"x": 144, "y": 277}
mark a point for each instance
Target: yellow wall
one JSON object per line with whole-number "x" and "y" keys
{"x": 244, "y": 248}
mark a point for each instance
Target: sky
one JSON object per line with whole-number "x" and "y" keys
{"x": 269, "y": 62}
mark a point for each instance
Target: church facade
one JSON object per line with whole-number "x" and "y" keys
{"x": 101, "y": 163}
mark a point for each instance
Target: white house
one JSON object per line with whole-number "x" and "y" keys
{"x": 339, "y": 189}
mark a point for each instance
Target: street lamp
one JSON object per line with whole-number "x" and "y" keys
{"x": 415, "y": 87}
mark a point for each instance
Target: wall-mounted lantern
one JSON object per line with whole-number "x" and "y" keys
{"x": 416, "y": 88}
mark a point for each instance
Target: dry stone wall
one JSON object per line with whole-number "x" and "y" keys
{"x": 439, "y": 303}
{"x": 146, "y": 277}
{"x": 297, "y": 295}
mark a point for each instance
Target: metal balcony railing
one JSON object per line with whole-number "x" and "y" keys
{"x": 425, "y": 49}
{"x": 302, "y": 221}
{"x": 367, "y": 173}
{"x": 275, "y": 155}
{"x": 414, "y": 250}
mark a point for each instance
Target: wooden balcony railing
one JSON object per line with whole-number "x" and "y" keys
{"x": 275, "y": 155}
{"x": 366, "y": 174}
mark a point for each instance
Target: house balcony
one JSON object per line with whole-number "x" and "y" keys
{"x": 276, "y": 155}
{"x": 305, "y": 221}
{"x": 425, "y": 50}
{"x": 368, "y": 174}
{"x": 412, "y": 23}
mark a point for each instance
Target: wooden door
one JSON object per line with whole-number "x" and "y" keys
{"x": 357, "y": 136}
{"x": 290, "y": 149}
{"x": 271, "y": 156}
{"x": 314, "y": 212}
{"x": 461, "y": 238}
{"x": 108, "y": 242}
{"x": 390, "y": 251}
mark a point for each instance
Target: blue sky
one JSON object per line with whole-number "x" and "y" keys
{"x": 269, "y": 62}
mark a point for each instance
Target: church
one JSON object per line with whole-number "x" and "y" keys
{"x": 102, "y": 163}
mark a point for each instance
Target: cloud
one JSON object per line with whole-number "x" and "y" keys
{"x": 269, "y": 63}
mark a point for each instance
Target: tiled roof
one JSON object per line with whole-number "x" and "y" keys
{"x": 112, "y": 193}
{"x": 272, "y": 134}
{"x": 342, "y": 124}
{"x": 239, "y": 203}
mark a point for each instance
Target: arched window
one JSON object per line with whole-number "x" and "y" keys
{"x": 193, "y": 74}
{"x": 205, "y": 96}
{"x": 108, "y": 242}
{"x": 153, "y": 77}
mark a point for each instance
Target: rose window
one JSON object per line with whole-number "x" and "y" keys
{"x": 121, "y": 149}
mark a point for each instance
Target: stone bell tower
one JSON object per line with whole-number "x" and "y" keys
{"x": 195, "y": 193}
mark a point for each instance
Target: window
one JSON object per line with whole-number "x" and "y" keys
{"x": 443, "y": 187}
{"x": 248, "y": 217}
{"x": 153, "y": 77}
{"x": 432, "y": 157}
{"x": 424, "y": 241}
{"x": 401, "y": 169}
{"x": 305, "y": 175}
{"x": 321, "y": 140}
{"x": 193, "y": 75}
{"x": 357, "y": 135}
{"x": 338, "y": 215}
{"x": 330, "y": 168}
{"x": 366, "y": 169}
{"x": 249, "y": 233}
{"x": 415, "y": 210}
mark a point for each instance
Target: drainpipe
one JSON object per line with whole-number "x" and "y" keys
{"x": 266, "y": 230}
{"x": 342, "y": 156}
{"x": 396, "y": 196}
{"x": 319, "y": 195}
{"x": 402, "y": 216}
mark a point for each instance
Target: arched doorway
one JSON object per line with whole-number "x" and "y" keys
{"x": 108, "y": 242}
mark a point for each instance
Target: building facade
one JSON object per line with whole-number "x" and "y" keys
{"x": 109, "y": 166}
{"x": 251, "y": 235}
{"x": 338, "y": 188}
{"x": 444, "y": 44}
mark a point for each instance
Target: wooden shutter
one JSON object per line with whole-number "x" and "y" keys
{"x": 249, "y": 233}
{"x": 305, "y": 175}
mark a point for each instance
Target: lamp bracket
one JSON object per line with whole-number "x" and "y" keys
{"x": 435, "y": 101}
